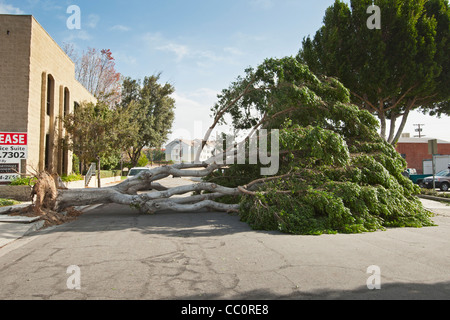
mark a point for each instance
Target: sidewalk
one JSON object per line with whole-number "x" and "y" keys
{"x": 16, "y": 227}
{"x": 13, "y": 228}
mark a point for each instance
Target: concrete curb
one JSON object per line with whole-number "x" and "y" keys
{"x": 434, "y": 198}
{"x": 8, "y": 209}
{"x": 10, "y": 232}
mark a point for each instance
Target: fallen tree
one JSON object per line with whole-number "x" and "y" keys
{"x": 335, "y": 173}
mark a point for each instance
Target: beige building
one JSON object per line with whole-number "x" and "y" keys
{"x": 37, "y": 88}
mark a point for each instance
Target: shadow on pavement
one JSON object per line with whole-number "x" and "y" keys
{"x": 113, "y": 217}
{"x": 391, "y": 291}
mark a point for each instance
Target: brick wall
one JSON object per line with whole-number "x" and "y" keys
{"x": 28, "y": 55}
{"x": 417, "y": 152}
{"x": 15, "y": 38}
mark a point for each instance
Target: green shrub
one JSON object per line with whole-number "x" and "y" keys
{"x": 8, "y": 202}
{"x": 72, "y": 177}
{"x": 23, "y": 181}
{"x": 109, "y": 173}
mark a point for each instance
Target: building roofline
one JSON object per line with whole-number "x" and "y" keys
{"x": 421, "y": 140}
{"x": 35, "y": 20}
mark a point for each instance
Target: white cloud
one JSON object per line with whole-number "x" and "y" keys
{"x": 119, "y": 27}
{"x": 77, "y": 35}
{"x": 180, "y": 50}
{"x": 92, "y": 21}
{"x": 233, "y": 51}
{"x": 9, "y": 9}
{"x": 122, "y": 57}
{"x": 201, "y": 57}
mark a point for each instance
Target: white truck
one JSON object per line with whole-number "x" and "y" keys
{"x": 442, "y": 163}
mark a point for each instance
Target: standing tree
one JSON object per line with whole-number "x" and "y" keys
{"x": 95, "y": 70}
{"x": 97, "y": 131}
{"x": 403, "y": 66}
{"x": 152, "y": 109}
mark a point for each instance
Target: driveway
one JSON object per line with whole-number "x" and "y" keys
{"x": 122, "y": 254}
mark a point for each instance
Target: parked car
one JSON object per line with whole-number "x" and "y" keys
{"x": 442, "y": 180}
{"x": 135, "y": 171}
{"x": 409, "y": 172}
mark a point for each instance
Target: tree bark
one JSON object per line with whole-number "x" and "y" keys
{"x": 382, "y": 118}
{"x": 99, "y": 180}
{"x": 403, "y": 123}
{"x": 394, "y": 117}
{"x": 152, "y": 198}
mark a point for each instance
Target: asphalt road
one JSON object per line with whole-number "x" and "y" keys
{"x": 121, "y": 254}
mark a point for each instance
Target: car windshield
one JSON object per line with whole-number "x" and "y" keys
{"x": 444, "y": 173}
{"x": 134, "y": 172}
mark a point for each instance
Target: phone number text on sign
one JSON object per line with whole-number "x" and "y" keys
{"x": 11, "y": 153}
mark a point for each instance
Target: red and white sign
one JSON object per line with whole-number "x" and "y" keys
{"x": 13, "y": 149}
{"x": 13, "y": 139}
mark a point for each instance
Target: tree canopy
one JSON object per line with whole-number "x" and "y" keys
{"x": 336, "y": 173}
{"x": 96, "y": 71}
{"x": 97, "y": 131}
{"x": 403, "y": 66}
{"x": 152, "y": 108}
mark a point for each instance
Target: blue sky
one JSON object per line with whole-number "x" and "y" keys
{"x": 200, "y": 46}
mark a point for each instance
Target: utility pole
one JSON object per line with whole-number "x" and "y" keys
{"x": 419, "y": 130}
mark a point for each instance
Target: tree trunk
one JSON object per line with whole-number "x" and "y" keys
{"x": 134, "y": 155}
{"x": 394, "y": 117}
{"x": 402, "y": 125}
{"x": 51, "y": 196}
{"x": 99, "y": 180}
{"x": 382, "y": 118}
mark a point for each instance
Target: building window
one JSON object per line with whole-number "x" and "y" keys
{"x": 50, "y": 93}
{"x": 66, "y": 101}
{"x": 47, "y": 152}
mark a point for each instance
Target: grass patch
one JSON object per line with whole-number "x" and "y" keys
{"x": 8, "y": 202}
{"x": 434, "y": 193}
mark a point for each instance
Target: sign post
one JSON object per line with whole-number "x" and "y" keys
{"x": 13, "y": 149}
{"x": 433, "y": 150}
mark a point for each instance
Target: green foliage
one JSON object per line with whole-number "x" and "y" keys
{"x": 143, "y": 160}
{"x": 76, "y": 164}
{"x": 23, "y": 181}
{"x": 357, "y": 195}
{"x": 98, "y": 131}
{"x": 155, "y": 155}
{"x": 109, "y": 173}
{"x": 336, "y": 173}
{"x": 72, "y": 177}
{"x": 152, "y": 109}
{"x": 111, "y": 161}
{"x": 403, "y": 66}
{"x": 8, "y": 202}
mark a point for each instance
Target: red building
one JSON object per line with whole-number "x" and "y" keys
{"x": 415, "y": 151}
